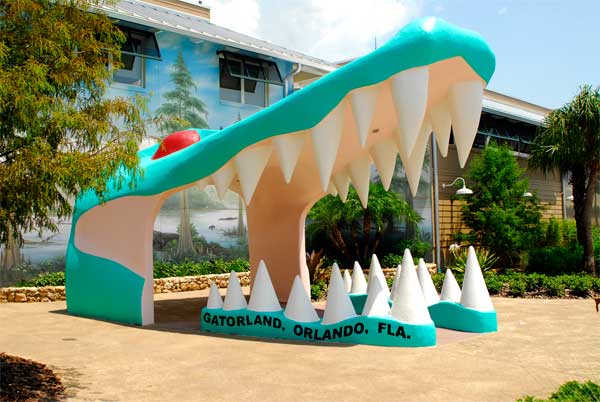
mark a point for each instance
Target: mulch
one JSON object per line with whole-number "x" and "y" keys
{"x": 23, "y": 380}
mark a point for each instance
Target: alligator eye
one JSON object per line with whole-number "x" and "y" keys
{"x": 176, "y": 141}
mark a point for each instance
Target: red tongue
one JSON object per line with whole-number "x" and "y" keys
{"x": 176, "y": 141}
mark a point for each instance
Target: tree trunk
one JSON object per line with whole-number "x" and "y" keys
{"x": 366, "y": 234}
{"x": 185, "y": 244}
{"x": 583, "y": 194}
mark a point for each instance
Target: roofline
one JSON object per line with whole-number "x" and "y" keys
{"x": 113, "y": 12}
{"x": 517, "y": 109}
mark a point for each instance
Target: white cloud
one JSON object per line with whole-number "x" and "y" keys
{"x": 329, "y": 29}
{"x": 503, "y": 11}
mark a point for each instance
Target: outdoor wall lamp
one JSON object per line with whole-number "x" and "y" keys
{"x": 527, "y": 194}
{"x": 461, "y": 191}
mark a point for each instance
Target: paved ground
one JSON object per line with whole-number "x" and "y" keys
{"x": 541, "y": 343}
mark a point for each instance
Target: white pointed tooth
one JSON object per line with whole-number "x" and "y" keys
{"x": 222, "y": 179}
{"x": 409, "y": 89}
{"x": 441, "y": 124}
{"x": 395, "y": 283}
{"x": 359, "y": 283}
{"x": 342, "y": 183}
{"x": 409, "y": 304}
{"x": 326, "y": 138}
{"x": 298, "y": 307}
{"x": 339, "y": 306}
{"x": 201, "y": 184}
{"x": 376, "y": 304}
{"x": 347, "y": 281}
{"x": 250, "y": 166}
{"x": 288, "y": 148}
{"x": 332, "y": 189}
{"x": 360, "y": 173}
{"x": 475, "y": 294}
{"x": 376, "y": 275}
{"x": 450, "y": 289}
{"x": 214, "y": 298}
{"x": 363, "y": 103}
{"x": 263, "y": 296}
{"x": 465, "y": 108}
{"x": 384, "y": 155}
{"x": 234, "y": 299}
{"x": 427, "y": 286}
{"x": 414, "y": 165}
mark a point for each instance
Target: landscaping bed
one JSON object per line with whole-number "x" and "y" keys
{"x": 26, "y": 380}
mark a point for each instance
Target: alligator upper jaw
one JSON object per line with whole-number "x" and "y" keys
{"x": 369, "y": 125}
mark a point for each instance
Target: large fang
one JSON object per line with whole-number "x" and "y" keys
{"x": 475, "y": 294}
{"x": 326, "y": 138}
{"x": 360, "y": 173}
{"x": 384, "y": 155}
{"x": 465, "y": 108}
{"x": 299, "y": 307}
{"x": 427, "y": 287}
{"x": 376, "y": 303}
{"x": 409, "y": 89}
{"x": 359, "y": 283}
{"x": 222, "y": 179}
{"x": 288, "y": 148}
{"x": 342, "y": 183}
{"x": 408, "y": 303}
{"x": 414, "y": 164}
{"x": 363, "y": 105}
{"x": 441, "y": 123}
{"x": 263, "y": 297}
{"x": 250, "y": 165}
{"x": 339, "y": 306}
{"x": 214, "y": 298}
{"x": 234, "y": 299}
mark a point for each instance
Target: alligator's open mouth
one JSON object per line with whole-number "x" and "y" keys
{"x": 429, "y": 78}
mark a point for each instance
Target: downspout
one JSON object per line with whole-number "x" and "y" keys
{"x": 296, "y": 70}
{"x": 436, "y": 205}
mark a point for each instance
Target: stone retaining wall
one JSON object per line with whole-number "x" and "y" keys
{"x": 163, "y": 285}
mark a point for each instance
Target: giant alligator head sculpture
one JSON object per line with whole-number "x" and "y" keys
{"x": 428, "y": 78}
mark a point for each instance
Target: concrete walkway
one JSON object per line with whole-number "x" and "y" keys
{"x": 541, "y": 344}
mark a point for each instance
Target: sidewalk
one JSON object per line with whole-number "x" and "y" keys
{"x": 541, "y": 344}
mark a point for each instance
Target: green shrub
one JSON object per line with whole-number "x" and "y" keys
{"x": 418, "y": 248}
{"x": 391, "y": 260}
{"x": 553, "y": 286}
{"x": 438, "y": 281}
{"x": 165, "y": 269}
{"x": 517, "y": 286}
{"x": 48, "y": 279}
{"x": 318, "y": 290}
{"x": 494, "y": 283}
{"x": 571, "y": 391}
{"x": 555, "y": 260}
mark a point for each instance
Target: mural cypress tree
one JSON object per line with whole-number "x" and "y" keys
{"x": 183, "y": 110}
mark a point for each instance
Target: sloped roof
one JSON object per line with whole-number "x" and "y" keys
{"x": 162, "y": 18}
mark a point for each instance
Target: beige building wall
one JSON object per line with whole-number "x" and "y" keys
{"x": 548, "y": 189}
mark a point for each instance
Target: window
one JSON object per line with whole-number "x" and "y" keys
{"x": 246, "y": 80}
{"x": 138, "y": 46}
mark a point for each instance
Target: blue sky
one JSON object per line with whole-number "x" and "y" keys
{"x": 545, "y": 49}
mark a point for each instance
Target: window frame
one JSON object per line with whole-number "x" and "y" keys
{"x": 226, "y": 59}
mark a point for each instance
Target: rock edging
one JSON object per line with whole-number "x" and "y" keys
{"x": 162, "y": 285}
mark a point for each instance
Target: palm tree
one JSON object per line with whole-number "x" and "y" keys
{"x": 570, "y": 142}
{"x": 354, "y": 231}
{"x": 183, "y": 110}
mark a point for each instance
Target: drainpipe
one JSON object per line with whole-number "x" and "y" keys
{"x": 297, "y": 69}
{"x": 436, "y": 205}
